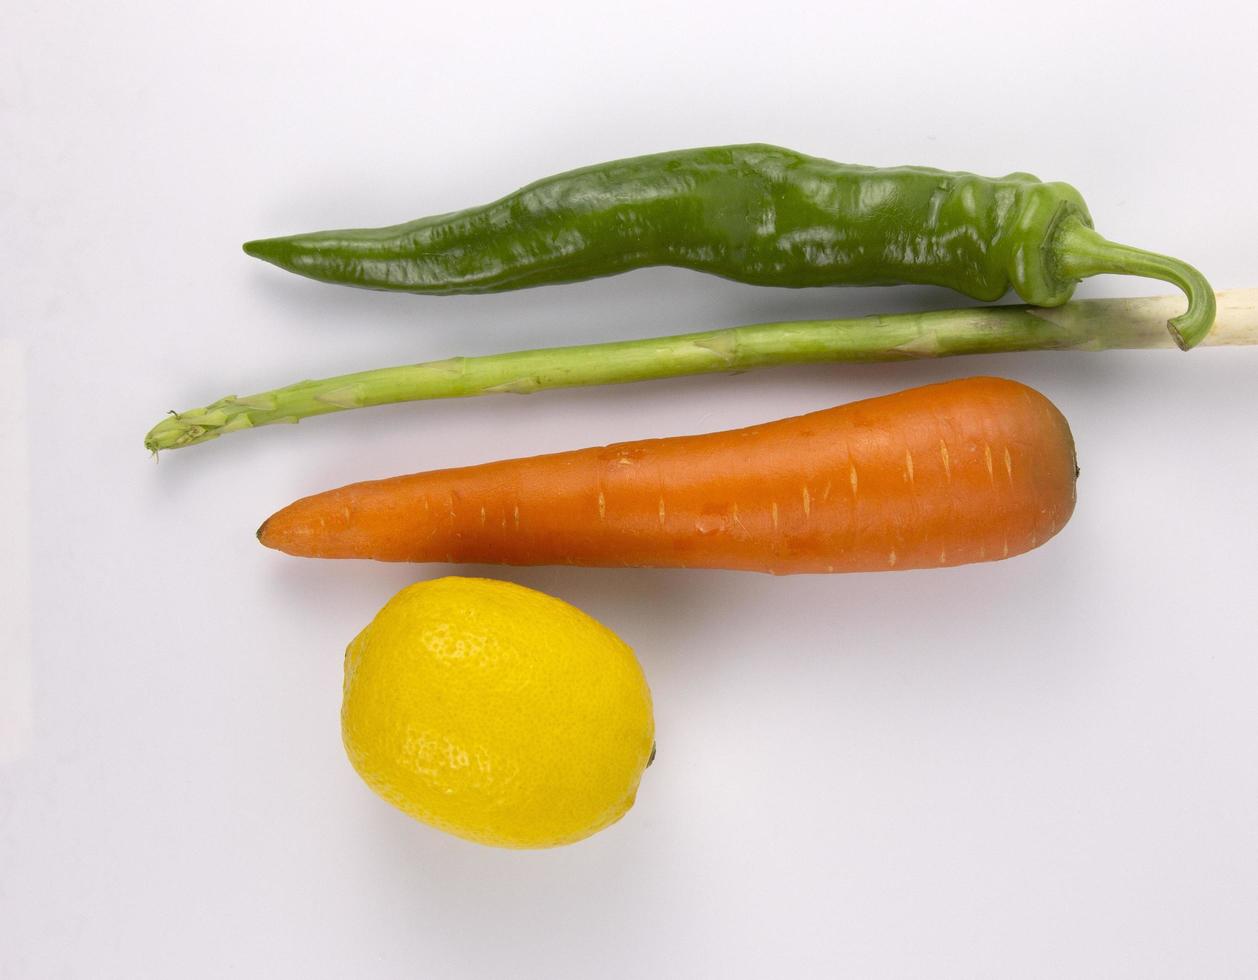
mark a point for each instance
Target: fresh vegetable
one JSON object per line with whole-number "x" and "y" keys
{"x": 758, "y": 214}
{"x": 496, "y": 713}
{"x": 965, "y": 471}
{"x": 1091, "y": 325}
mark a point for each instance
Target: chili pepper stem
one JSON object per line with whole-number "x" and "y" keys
{"x": 1083, "y": 252}
{"x": 1089, "y": 325}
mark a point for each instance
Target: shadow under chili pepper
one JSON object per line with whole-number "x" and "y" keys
{"x": 644, "y": 303}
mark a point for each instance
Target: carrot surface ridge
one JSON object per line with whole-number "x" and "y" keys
{"x": 947, "y": 474}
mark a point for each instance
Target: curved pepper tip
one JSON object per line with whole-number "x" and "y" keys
{"x": 302, "y": 254}
{"x": 258, "y": 248}
{"x": 278, "y": 251}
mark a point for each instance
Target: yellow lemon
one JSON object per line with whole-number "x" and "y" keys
{"x": 496, "y": 713}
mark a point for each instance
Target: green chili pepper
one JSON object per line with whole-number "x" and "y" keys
{"x": 757, "y": 214}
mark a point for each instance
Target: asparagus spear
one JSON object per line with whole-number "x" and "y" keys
{"x": 1085, "y": 325}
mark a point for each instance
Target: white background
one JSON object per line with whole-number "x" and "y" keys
{"x": 1046, "y": 767}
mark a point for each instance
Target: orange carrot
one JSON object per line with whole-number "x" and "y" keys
{"x": 947, "y": 474}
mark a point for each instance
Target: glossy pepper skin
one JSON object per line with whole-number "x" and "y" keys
{"x": 757, "y": 214}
